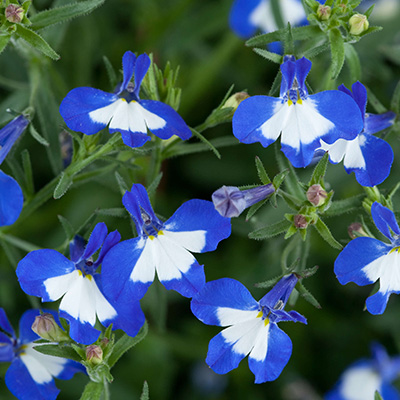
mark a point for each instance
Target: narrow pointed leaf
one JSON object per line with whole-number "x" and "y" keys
{"x": 319, "y": 171}
{"x": 58, "y": 350}
{"x": 353, "y": 62}
{"x": 206, "y": 142}
{"x": 27, "y": 165}
{"x": 307, "y": 295}
{"x": 344, "y": 206}
{"x": 395, "y": 103}
{"x": 337, "y": 51}
{"x": 4, "y": 39}
{"x": 63, "y": 185}
{"x": 262, "y": 173}
{"x": 92, "y": 391}
{"x": 270, "y": 230}
{"x": 374, "y": 101}
{"x": 326, "y": 234}
{"x": 67, "y": 226}
{"x": 145, "y": 392}
{"x": 35, "y": 134}
{"x": 275, "y": 58}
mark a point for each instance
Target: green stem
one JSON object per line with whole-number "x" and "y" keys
{"x": 155, "y": 162}
{"x": 106, "y": 392}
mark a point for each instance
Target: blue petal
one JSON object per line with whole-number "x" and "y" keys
{"x": 11, "y": 199}
{"x": 5, "y": 323}
{"x": 111, "y": 240}
{"x": 376, "y": 304}
{"x": 175, "y": 125}
{"x": 96, "y": 239}
{"x": 221, "y": 357}
{"x": 344, "y": 89}
{"x": 355, "y": 256}
{"x": 288, "y": 69}
{"x": 6, "y": 348}
{"x": 378, "y": 157}
{"x": 389, "y": 392}
{"x": 117, "y": 268}
{"x": 374, "y": 123}
{"x": 292, "y": 316}
{"x": 77, "y": 105}
{"x": 39, "y": 265}
{"x": 190, "y": 283}
{"x": 81, "y": 332}
{"x": 280, "y": 292}
{"x": 141, "y": 67}
{"x": 200, "y": 215}
{"x": 128, "y": 65}
{"x": 224, "y": 292}
{"x": 278, "y": 355}
{"x": 360, "y": 96}
{"x": 70, "y": 369}
{"x": 132, "y": 139}
{"x": 21, "y": 384}
{"x": 76, "y": 248}
{"x": 10, "y": 133}
{"x": 239, "y": 17}
{"x": 249, "y": 117}
{"x": 303, "y": 67}
{"x": 385, "y": 220}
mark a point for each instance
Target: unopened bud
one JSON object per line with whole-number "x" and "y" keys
{"x": 230, "y": 202}
{"x": 300, "y": 221}
{"x": 324, "y": 12}
{"x": 47, "y": 328}
{"x": 234, "y": 100}
{"x": 14, "y": 13}
{"x": 358, "y": 24}
{"x": 94, "y": 354}
{"x": 104, "y": 342}
{"x": 316, "y": 195}
{"x": 356, "y": 230}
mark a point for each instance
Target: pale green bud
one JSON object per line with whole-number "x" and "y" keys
{"x": 14, "y": 13}
{"x": 94, "y": 354}
{"x": 47, "y": 328}
{"x": 324, "y": 12}
{"x": 358, "y": 24}
{"x": 234, "y": 100}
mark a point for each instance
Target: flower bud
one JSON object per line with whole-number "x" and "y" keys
{"x": 14, "y": 13}
{"x": 356, "y": 230}
{"x": 47, "y": 328}
{"x": 324, "y": 12}
{"x": 358, "y": 24}
{"x": 234, "y": 100}
{"x": 316, "y": 195}
{"x": 300, "y": 221}
{"x": 94, "y": 354}
{"x": 230, "y": 202}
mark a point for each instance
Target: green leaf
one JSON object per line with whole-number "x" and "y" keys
{"x": 254, "y": 208}
{"x": 4, "y": 39}
{"x": 112, "y": 76}
{"x": 58, "y": 350}
{"x": 288, "y": 44}
{"x": 113, "y": 212}
{"x": 279, "y": 178}
{"x": 27, "y": 165}
{"x": 206, "y": 142}
{"x": 62, "y": 14}
{"x": 36, "y": 41}
{"x": 326, "y": 234}
{"x": 307, "y": 295}
{"x": 377, "y": 396}
{"x": 340, "y": 207}
{"x": 318, "y": 174}
{"x": 313, "y": 51}
{"x": 371, "y": 29}
{"x": 123, "y": 186}
{"x": 395, "y": 103}
{"x": 275, "y": 58}
{"x": 277, "y": 13}
{"x": 145, "y": 392}
{"x": 63, "y": 185}
{"x": 92, "y": 391}
{"x": 126, "y": 343}
{"x": 262, "y": 173}
{"x": 353, "y": 61}
{"x": 275, "y": 84}
{"x": 337, "y": 51}
{"x": 67, "y": 226}
{"x": 270, "y": 230}
{"x": 35, "y": 134}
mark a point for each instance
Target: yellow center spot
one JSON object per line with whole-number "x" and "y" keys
{"x": 160, "y": 232}
{"x": 260, "y": 314}
{"x": 395, "y": 249}
{"x": 123, "y": 99}
{"x": 80, "y": 272}
{"x": 151, "y": 237}
{"x": 266, "y": 320}
{"x": 90, "y": 277}
{"x": 290, "y": 102}
{"x": 299, "y": 101}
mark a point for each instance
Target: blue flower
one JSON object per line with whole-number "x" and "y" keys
{"x": 48, "y": 274}
{"x": 369, "y": 157}
{"x": 365, "y": 260}
{"x": 252, "y": 326}
{"x": 30, "y": 375}
{"x": 303, "y": 119}
{"x": 89, "y": 110}
{"x": 363, "y": 378}
{"x": 129, "y": 267}
{"x": 11, "y": 197}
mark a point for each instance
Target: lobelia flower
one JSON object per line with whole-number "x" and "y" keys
{"x": 11, "y": 197}
{"x": 252, "y": 326}
{"x": 30, "y": 375}
{"x": 230, "y": 202}
{"x": 50, "y": 275}
{"x": 369, "y": 157}
{"x": 303, "y": 119}
{"x": 366, "y": 376}
{"x": 129, "y": 267}
{"x": 365, "y": 260}
{"x": 90, "y": 110}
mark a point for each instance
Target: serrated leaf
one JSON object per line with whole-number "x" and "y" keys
{"x": 307, "y": 295}
{"x": 63, "y": 185}
{"x": 340, "y": 207}
{"x": 371, "y": 29}
{"x": 275, "y": 58}
{"x": 113, "y": 212}
{"x": 315, "y": 50}
{"x": 318, "y": 174}
{"x": 270, "y": 230}
{"x": 326, "y": 234}
{"x": 154, "y": 185}
{"x": 36, "y": 41}
{"x": 262, "y": 173}
{"x": 67, "y": 226}
{"x": 206, "y": 142}
{"x": 275, "y": 84}
{"x": 58, "y": 350}
{"x": 145, "y": 392}
{"x": 123, "y": 186}
{"x": 64, "y": 13}
{"x": 353, "y": 62}
{"x": 279, "y": 178}
{"x": 254, "y": 208}
{"x": 92, "y": 391}
{"x": 288, "y": 43}
{"x": 4, "y": 39}
{"x": 35, "y": 134}
{"x": 337, "y": 52}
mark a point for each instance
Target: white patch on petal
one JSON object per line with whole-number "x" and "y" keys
{"x": 230, "y": 316}
{"x": 272, "y": 128}
{"x": 144, "y": 269}
{"x": 243, "y": 335}
{"x": 59, "y": 285}
{"x": 262, "y": 16}
{"x": 387, "y": 269}
{"x": 191, "y": 240}
{"x": 41, "y": 367}
{"x": 84, "y": 300}
{"x": 260, "y": 349}
{"x": 336, "y": 150}
{"x": 130, "y": 117}
{"x": 360, "y": 383}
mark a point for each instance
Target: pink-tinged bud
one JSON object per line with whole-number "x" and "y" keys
{"x": 234, "y": 100}
{"x": 300, "y": 221}
{"x": 47, "y": 328}
{"x": 358, "y": 24}
{"x": 316, "y": 195}
{"x": 324, "y": 12}
{"x": 14, "y": 13}
{"x": 104, "y": 342}
{"x": 94, "y": 354}
{"x": 356, "y": 230}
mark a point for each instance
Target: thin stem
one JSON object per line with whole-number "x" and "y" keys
{"x": 106, "y": 392}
